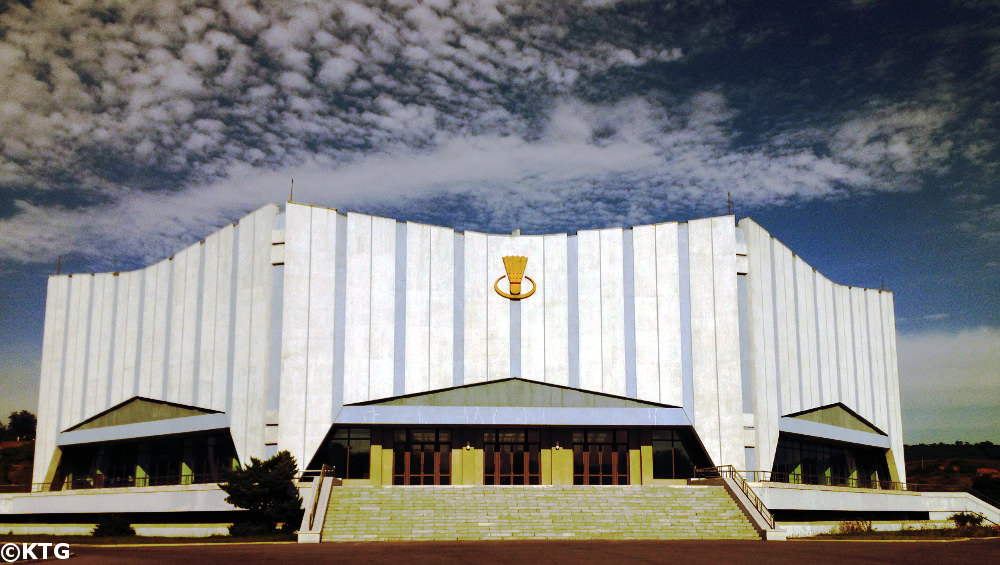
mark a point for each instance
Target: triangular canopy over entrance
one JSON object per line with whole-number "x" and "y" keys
{"x": 139, "y": 409}
{"x": 837, "y": 415}
{"x": 514, "y": 392}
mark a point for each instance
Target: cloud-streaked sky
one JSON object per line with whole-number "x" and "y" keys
{"x": 862, "y": 134}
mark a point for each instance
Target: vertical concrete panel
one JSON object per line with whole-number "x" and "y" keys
{"x": 209, "y": 307}
{"x": 862, "y": 372}
{"x": 133, "y": 328}
{"x": 668, "y": 315}
{"x": 120, "y": 322}
{"x": 260, "y": 331}
{"x": 497, "y": 310}
{"x": 845, "y": 347}
{"x": 223, "y": 320}
{"x": 647, "y": 352}
{"x": 82, "y": 296}
{"x": 727, "y": 340}
{"x": 703, "y": 338}
{"x": 242, "y": 320}
{"x": 50, "y": 378}
{"x": 189, "y": 346}
{"x": 779, "y": 255}
{"x": 590, "y": 317}
{"x": 161, "y": 329}
{"x": 612, "y": 312}
{"x": 758, "y": 294}
{"x": 107, "y": 344}
{"x": 147, "y": 314}
{"x": 477, "y": 285}
{"x": 383, "y": 315}
{"x": 895, "y": 415}
{"x": 554, "y": 286}
{"x": 175, "y": 349}
{"x": 418, "y": 281}
{"x": 320, "y": 318}
{"x": 358, "y": 307}
{"x": 877, "y": 358}
{"x": 92, "y": 376}
{"x": 533, "y": 343}
{"x": 293, "y": 403}
{"x": 825, "y": 329}
{"x": 809, "y": 361}
{"x": 770, "y": 347}
{"x": 441, "y": 314}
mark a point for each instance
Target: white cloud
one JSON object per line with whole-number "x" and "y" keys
{"x": 950, "y": 385}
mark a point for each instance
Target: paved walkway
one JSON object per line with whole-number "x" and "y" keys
{"x": 568, "y": 552}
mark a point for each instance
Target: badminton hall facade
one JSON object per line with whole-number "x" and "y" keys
{"x": 403, "y": 354}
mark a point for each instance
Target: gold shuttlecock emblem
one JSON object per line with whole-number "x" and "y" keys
{"x": 514, "y": 266}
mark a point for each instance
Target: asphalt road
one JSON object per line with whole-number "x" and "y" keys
{"x": 569, "y": 552}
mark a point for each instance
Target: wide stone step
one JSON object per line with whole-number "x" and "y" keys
{"x": 545, "y": 512}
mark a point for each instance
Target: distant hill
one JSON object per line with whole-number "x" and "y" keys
{"x": 973, "y": 466}
{"x": 16, "y": 459}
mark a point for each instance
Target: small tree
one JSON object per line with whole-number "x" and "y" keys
{"x": 21, "y": 425}
{"x": 266, "y": 491}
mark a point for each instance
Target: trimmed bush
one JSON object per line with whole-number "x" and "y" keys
{"x": 113, "y": 525}
{"x": 966, "y": 519}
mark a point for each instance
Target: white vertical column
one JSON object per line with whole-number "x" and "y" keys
{"x": 845, "y": 345}
{"x": 176, "y": 352}
{"x": 120, "y": 322}
{"x": 383, "y": 312}
{"x": 779, "y": 255}
{"x": 260, "y": 331}
{"x": 807, "y": 335}
{"x": 703, "y": 345}
{"x": 158, "y": 372}
{"x": 727, "y": 341}
{"x": 497, "y": 310}
{"x": 189, "y": 343}
{"x": 612, "y": 312}
{"x": 243, "y": 320}
{"x": 589, "y": 297}
{"x": 358, "y": 307}
{"x": 223, "y": 319}
{"x": 647, "y": 354}
{"x": 861, "y": 353}
{"x": 477, "y": 287}
{"x": 892, "y": 374}
{"x": 533, "y": 312}
{"x": 81, "y": 296}
{"x": 441, "y": 301}
{"x": 668, "y": 315}
{"x": 130, "y": 376}
{"x": 556, "y": 310}
{"x": 321, "y": 254}
{"x": 106, "y": 346}
{"x": 759, "y": 294}
{"x": 56, "y": 307}
{"x": 209, "y": 307}
{"x": 827, "y": 343}
{"x": 418, "y": 280}
{"x": 91, "y": 376}
{"x": 877, "y": 358}
{"x": 293, "y": 404}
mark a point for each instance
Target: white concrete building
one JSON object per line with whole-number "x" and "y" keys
{"x": 388, "y": 350}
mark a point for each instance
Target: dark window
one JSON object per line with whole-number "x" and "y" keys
{"x": 672, "y": 451}
{"x": 348, "y": 451}
{"x": 421, "y": 456}
{"x": 805, "y": 460}
{"x": 600, "y": 457}
{"x": 512, "y": 457}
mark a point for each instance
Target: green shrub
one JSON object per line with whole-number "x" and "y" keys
{"x": 266, "y": 491}
{"x": 109, "y": 525}
{"x": 854, "y": 527}
{"x": 966, "y": 519}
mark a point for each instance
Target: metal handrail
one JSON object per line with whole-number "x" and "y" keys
{"x": 729, "y": 471}
{"x": 324, "y": 471}
{"x": 104, "y": 481}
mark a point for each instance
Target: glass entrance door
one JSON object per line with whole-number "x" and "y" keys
{"x": 512, "y": 457}
{"x": 600, "y": 457}
{"x": 421, "y": 457}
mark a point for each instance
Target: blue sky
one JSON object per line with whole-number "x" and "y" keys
{"x": 862, "y": 134}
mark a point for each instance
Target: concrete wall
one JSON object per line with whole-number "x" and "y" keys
{"x": 283, "y": 319}
{"x": 815, "y": 343}
{"x": 374, "y": 308}
{"x": 187, "y": 329}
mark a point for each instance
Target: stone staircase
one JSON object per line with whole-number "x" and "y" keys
{"x": 538, "y": 512}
